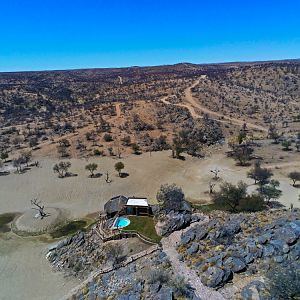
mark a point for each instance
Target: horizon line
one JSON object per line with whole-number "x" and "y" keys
{"x": 151, "y": 66}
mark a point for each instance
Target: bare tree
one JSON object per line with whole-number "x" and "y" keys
{"x": 107, "y": 179}
{"x": 211, "y": 187}
{"x": 216, "y": 172}
{"x": 39, "y": 208}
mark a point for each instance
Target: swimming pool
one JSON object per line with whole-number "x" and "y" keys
{"x": 121, "y": 222}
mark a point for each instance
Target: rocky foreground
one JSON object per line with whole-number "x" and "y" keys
{"x": 230, "y": 256}
{"x": 233, "y": 247}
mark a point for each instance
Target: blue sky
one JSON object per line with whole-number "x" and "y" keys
{"x": 63, "y": 34}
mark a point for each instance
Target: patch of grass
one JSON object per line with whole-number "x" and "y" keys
{"x": 143, "y": 225}
{"x": 211, "y": 207}
{"x": 5, "y": 219}
{"x": 69, "y": 228}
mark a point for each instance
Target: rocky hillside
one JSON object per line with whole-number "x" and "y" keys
{"x": 263, "y": 246}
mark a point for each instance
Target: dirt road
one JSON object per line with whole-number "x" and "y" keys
{"x": 194, "y": 106}
{"x": 192, "y": 103}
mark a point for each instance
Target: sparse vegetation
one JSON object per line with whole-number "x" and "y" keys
{"x": 62, "y": 168}
{"x": 119, "y": 166}
{"x": 92, "y": 167}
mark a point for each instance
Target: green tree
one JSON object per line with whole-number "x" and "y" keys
{"x": 135, "y": 148}
{"x": 230, "y": 195}
{"x": 294, "y": 176}
{"x": 27, "y": 155}
{"x": 119, "y": 166}
{"x": 92, "y": 167}
{"x": 62, "y": 168}
{"x": 286, "y": 145}
{"x": 177, "y": 148}
{"x": 270, "y": 191}
{"x": 242, "y": 153}
{"x": 170, "y": 196}
{"x": 259, "y": 174}
{"x": 273, "y": 133}
{"x": 4, "y": 156}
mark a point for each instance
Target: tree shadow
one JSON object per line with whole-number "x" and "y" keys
{"x": 69, "y": 174}
{"x": 275, "y": 204}
{"x": 97, "y": 175}
{"x": 124, "y": 175}
{"x": 4, "y": 173}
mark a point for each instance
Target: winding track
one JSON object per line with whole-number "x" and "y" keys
{"x": 192, "y": 105}
{"x": 169, "y": 245}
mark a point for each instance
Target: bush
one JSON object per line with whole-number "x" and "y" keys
{"x": 170, "y": 197}
{"x": 235, "y": 198}
{"x": 251, "y": 203}
{"x": 158, "y": 275}
{"x": 97, "y": 152}
{"x": 107, "y": 137}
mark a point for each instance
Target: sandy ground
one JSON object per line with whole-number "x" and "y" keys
{"x": 26, "y": 274}
{"x": 81, "y": 195}
{"x": 24, "y": 271}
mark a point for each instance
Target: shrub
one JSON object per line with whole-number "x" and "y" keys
{"x": 158, "y": 275}
{"x": 294, "y": 176}
{"x": 252, "y": 203}
{"x": 170, "y": 196}
{"x": 119, "y": 166}
{"x": 107, "y": 137}
{"x": 97, "y": 152}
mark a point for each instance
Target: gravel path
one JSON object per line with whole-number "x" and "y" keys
{"x": 169, "y": 247}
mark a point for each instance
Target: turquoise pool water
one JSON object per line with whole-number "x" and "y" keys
{"x": 121, "y": 222}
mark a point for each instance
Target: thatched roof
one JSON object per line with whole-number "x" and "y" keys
{"x": 115, "y": 204}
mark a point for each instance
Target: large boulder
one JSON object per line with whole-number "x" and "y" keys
{"x": 287, "y": 234}
{"x": 165, "y": 293}
{"x": 187, "y": 237}
{"x": 193, "y": 249}
{"x": 215, "y": 277}
{"x": 235, "y": 264}
{"x": 173, "y": 221}
{"x": 255, "y": 290}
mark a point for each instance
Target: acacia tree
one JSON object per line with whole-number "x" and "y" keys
{"x": 4, "y": 156}
{"x": 170, "y": 197}
{"x": 230, "y": 195}
{"x": 286, "y": 145}
{"x": 62, "y": 150}
{"x": 92, "y": 167}
{"x": 294, "y": 176}
{"x": 17, "y": 163}
{"x": 119, "y": 166}
{"x": 135, "y": 148}
{"x": 62, "y": 168}
{"x": 270, "y": 191}
{"x": 273, "y": 133}
{"x": 242, "y": 153}
{"x": 26, "y": 157}
{"x": 177, "y": 148}
{"x": 259, "y": 174}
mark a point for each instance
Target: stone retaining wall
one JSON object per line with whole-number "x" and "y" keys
{"x": 98, "y": 272}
